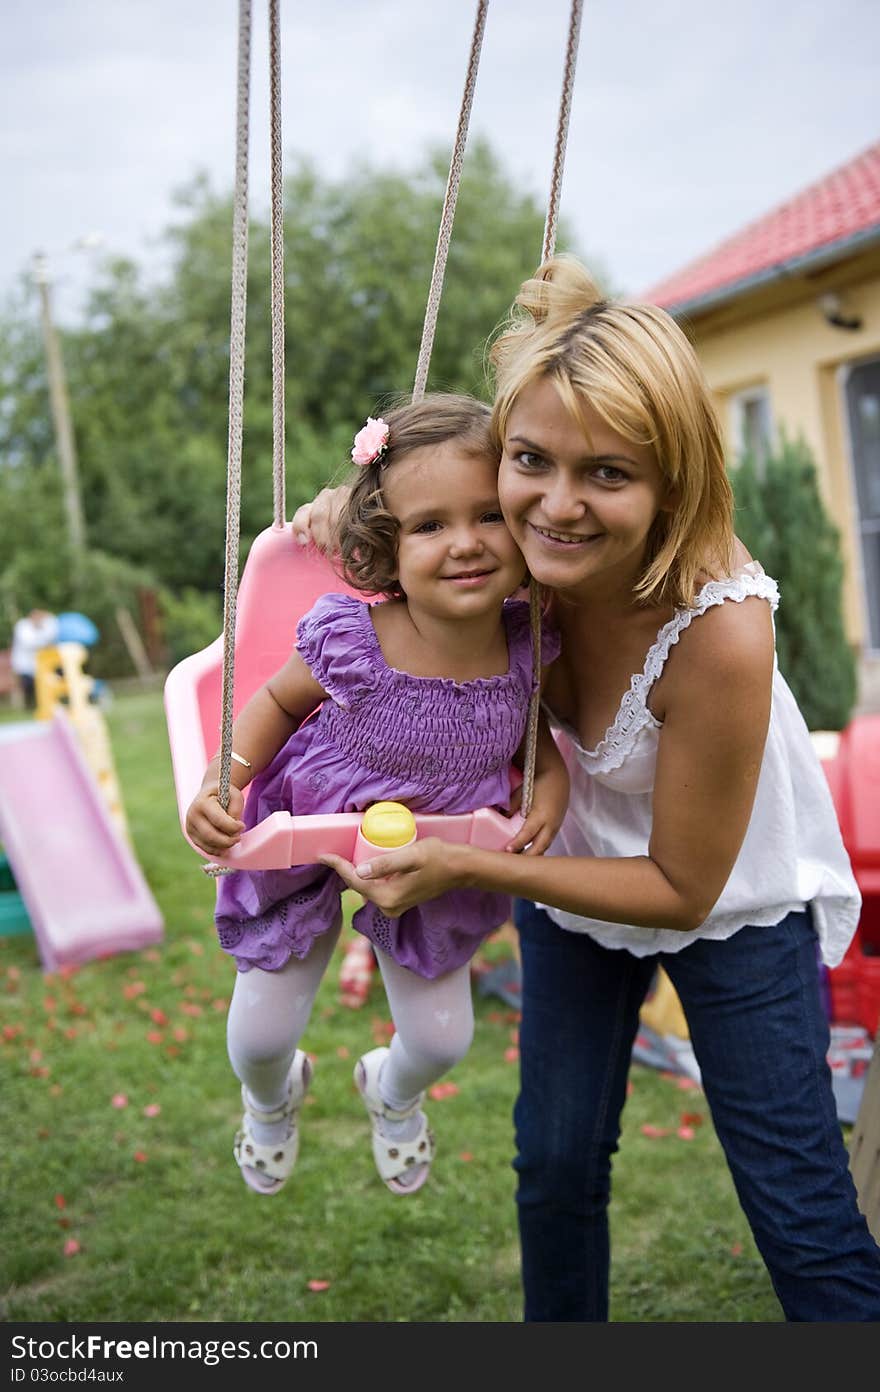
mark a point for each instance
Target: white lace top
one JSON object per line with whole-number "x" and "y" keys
{"x": 793, "y": 853}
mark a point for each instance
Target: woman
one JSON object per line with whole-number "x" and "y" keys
{"x": 700, "y": 834}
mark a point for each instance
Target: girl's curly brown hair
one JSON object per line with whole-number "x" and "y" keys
{"x": 367, "y": 531}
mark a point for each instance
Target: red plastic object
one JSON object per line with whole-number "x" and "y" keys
{"x": 868, "y": 993}
{"x": 853, "y": 772}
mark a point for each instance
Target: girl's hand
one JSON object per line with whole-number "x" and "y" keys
{"x": 208, "y": 826}
{"x": 549, "y": 805}
{"x": 316, "y": 522}
{"x": 401, "y": 879}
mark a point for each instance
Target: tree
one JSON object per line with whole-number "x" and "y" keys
{"x": 781, "y": 519}
{"x": 148, "y": 368}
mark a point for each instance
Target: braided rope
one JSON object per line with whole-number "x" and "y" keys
{"x": 236, "y": 391}
{"x": 447, "y": 216}
{"x": 547, "y": 249}
{"x": 277, "y": 273}
{"x": 571, "y": 50}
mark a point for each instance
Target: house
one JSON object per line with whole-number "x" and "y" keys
{"x": 785, "y": 316}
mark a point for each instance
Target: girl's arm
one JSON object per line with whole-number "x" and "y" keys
{"x": 716, "y": 707}
{"x": 549, "y": 796}
{"x": 263, "y": 727}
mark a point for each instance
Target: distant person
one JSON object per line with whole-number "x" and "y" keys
{"x": 36, "y": 630}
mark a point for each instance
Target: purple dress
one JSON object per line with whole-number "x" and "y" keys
{"x": 435, "y": 744}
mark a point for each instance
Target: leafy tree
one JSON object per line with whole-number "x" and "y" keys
{"x": 781, "y": 519}
{"x": 148, "y": 366}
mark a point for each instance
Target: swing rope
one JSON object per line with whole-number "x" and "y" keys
{"x": 548, "y": 247}
{"x": 236, "y": 391}
{"x": 237, "y": 332}
{"x": 444, "y": 235}
{"x": 277, "y": 274}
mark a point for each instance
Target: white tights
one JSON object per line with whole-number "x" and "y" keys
{"x": 269, "y": 1012}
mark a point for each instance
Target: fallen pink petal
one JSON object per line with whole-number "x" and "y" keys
{"x": 152, "y": 1109}
{"x": 511, "y": 1055}
{"x": 140, "y": 1156}
{"x": 71, "y": 1247}
{"x": 319, "y": 1285}
{"x": 654, "y": 1132}
{"x": 119, "y": 1100}
{"x": 465, "y": 1155}
{"x": 441, "y": 1090}
{"x": 686, "y": 1133}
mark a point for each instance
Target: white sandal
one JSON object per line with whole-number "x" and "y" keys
{"x": 393, "y": 1158}
{"x": 275, "y": 1161}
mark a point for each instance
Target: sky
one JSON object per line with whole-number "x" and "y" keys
{"x": 689, "y": 118}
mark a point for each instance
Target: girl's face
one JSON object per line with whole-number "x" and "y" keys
{"x": 455, "y": 555}
{"x": 580, "y": 509}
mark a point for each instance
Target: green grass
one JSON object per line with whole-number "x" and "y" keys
{"x": 167, "y": 1231}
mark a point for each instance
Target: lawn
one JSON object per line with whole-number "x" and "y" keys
{"x": 121, "y": 1201}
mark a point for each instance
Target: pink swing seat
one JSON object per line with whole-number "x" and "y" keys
{"x": 280, "y": 582}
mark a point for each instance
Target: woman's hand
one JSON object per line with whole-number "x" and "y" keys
{"x": 401, "y": 879}
{"x": 208, "y": 826}
{"x": 316, "y": 522}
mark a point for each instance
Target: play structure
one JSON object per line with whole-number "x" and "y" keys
{"x": 282, "y": 580}
{"x": 62, "y": 682}
{"x": 851, "y": 760}
{"x": 75, "y": 881}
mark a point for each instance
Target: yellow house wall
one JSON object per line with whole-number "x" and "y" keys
{"x": 782, "y": 342}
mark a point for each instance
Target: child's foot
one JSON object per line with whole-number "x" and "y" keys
{"x": 403, "y": 1144}
{"x": 267, "y": 1143}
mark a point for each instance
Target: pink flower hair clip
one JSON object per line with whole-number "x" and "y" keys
{"x": 370, "y": 443}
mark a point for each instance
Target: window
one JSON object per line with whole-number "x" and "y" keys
{"x": 752, "y": 424}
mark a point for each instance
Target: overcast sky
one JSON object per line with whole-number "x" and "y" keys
{"x": 689, "y": 118}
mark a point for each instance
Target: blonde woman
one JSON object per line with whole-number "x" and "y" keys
{"x": 700, "y": 834}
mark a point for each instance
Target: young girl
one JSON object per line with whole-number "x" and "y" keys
{"x": 422, "y": 699}
{"x": 700, "y": 835}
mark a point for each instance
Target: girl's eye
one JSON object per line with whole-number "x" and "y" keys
{"x": 492, "y": 517}
{"x": 426, "y": 528}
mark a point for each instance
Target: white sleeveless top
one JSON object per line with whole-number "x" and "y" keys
{"x": 793, "y": 853}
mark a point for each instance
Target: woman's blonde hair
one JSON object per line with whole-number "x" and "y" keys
{"x": 367, "y": 532}
{"x": 633, "y": 365}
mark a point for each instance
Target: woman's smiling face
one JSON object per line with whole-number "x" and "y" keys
{"x": 580, "y": 507}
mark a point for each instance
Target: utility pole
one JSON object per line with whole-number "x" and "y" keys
{"x": 60, "y": 405}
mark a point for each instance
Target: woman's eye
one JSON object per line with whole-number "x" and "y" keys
{"x": 528, "y": 460}
{"x": 609, "y": 473}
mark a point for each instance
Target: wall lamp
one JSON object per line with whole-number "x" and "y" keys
{"x": 831, "y": 306}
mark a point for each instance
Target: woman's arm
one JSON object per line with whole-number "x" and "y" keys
{"x": 316, "y": 522}
{"x": 715, "y": 717}
{"x": 263, "y": 727}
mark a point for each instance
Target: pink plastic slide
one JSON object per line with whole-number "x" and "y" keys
{"x": 83, "y": 889}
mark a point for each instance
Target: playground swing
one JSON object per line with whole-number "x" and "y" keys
{"x": 281, "y": 580}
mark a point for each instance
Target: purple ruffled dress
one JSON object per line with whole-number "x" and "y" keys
{"x": 435, "y": 744}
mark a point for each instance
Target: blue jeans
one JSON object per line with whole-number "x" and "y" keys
{"x": 760, "y": 1035}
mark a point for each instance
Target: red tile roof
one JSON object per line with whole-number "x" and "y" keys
{"x": 843, "y": 207}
